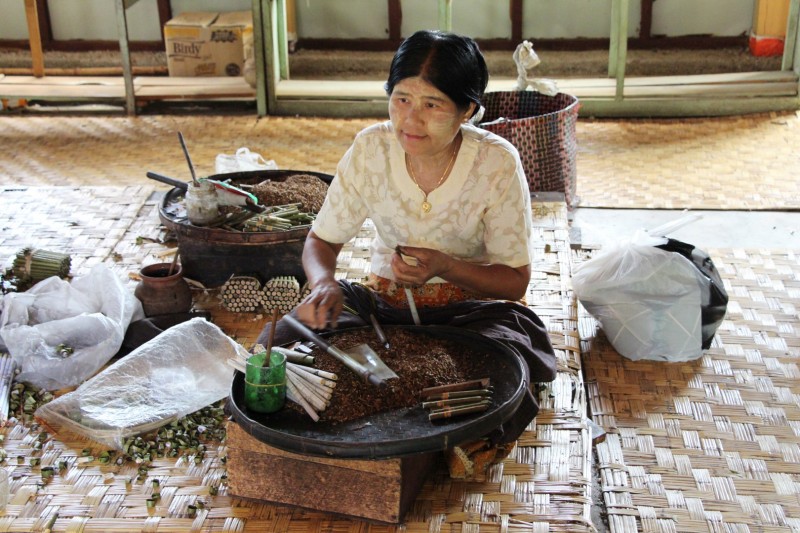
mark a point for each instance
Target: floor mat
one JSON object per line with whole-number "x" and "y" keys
{"x": 88, "y": 150}
{"x": 85, "y": 222}
{"x": 734, "y": 163}
{"x": 712, "y": 444}
{"x": 731, "y": 163}
{"x": 544, "y": 485}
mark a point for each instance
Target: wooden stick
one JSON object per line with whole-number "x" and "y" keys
{"x": 271, "y": 337}
{"x": 188, "y": 159}
{"x": 86, "y": 71}
{"x": 172, "y": 265}
{"x": 164, "y": 253}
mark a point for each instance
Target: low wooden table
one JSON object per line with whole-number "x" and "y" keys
{"x": 375, "y": 490}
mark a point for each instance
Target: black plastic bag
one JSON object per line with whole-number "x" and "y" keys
{"x": 715, "y": 301}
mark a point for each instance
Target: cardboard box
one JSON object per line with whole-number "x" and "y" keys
{"x": 206, "y": 43}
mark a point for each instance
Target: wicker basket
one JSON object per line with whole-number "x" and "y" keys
{"x": 543, "y": 130}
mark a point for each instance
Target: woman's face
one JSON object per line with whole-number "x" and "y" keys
{"x": 425, "y": 120}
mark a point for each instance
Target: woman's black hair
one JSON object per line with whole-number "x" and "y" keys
{"x": 450, "y": 62}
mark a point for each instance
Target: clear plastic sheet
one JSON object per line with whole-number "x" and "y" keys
{"x": 177, "y": 373}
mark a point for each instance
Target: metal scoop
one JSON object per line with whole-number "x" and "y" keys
{"x": 360, "y": 359}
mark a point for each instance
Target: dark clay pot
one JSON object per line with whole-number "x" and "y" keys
{"x": 162, "y": 293}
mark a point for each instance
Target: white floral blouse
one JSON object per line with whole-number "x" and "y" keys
{"x": 481, "y": 213}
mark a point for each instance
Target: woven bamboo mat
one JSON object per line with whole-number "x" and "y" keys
{"x": 86, "y": 222}
{"x": 712, "y": 444}
{"x": 735, "y": 163}
{"x": 748, "y": 162}
{"x": 92, "y": 150}
{"x": 544, "y": 485}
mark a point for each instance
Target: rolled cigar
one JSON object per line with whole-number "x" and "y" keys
{"x": 295, "y": 356}
{"x": 310, "y": 375}
{"x": 330, "y": 376}
{"x": 320, "y": 390}
{"x": 453, "y": 402}
{"x": 296, "y": 397}
{"x": 313, "y": 401}
{"x": 451, "y": 412}
{"x": 303, "y": 390}
{"x": 474, "y": 384}
{"x": 459, "y": 394}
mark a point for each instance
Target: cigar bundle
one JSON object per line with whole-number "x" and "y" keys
{"x": 246, "y": 294}
{"x": 457, "y": 399}
{"x": 281, "y": 293}
{"x": 241, "y": 294}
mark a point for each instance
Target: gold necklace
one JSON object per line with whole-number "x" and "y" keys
{"x": 426, "y": 205}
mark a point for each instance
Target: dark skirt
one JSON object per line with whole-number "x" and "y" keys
{"x": 513, "y": 324}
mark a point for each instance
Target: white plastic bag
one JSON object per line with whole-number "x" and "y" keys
{"x": 89, "y": 314}
{"x": 526, "y": 59}
{"x": 648, "y": 300}
{"x": 243, "y": 160}
{"x": 174, "y": 374}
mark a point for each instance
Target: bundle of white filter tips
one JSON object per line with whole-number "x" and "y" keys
{"x": 281, "y": 293}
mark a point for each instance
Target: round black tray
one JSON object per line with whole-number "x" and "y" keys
{"x": 212, "y": 255}
{"x": 394, "y": 433}
{"x": 251, "y": 177}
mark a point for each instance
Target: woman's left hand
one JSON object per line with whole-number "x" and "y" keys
{"x": 419, "y": 264}
{"x": 415, "y": 266}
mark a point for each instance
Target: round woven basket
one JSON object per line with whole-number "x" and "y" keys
{"x": 542, "y": 128}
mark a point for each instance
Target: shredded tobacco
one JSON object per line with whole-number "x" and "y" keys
{"x": 419, "y": 360}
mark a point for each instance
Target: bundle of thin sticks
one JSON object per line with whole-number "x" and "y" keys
{"x": 31, "y": 266}
{"x": 304, "y": 291}
{"x": 457, "y": 399}
{"x": 241, "y": 294}
{"x": 306, "y": 386}
{"x": 7, "y": 372}
{"x": 279, "y": 218}
{"x": 281, "y": 293}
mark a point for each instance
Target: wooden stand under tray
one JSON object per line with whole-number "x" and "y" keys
{"x": 375, "y": 490}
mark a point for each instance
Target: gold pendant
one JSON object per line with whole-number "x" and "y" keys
{"x": 426, "y": 206}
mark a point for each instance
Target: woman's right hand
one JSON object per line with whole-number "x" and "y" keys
{"x": 322, "y": 307}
